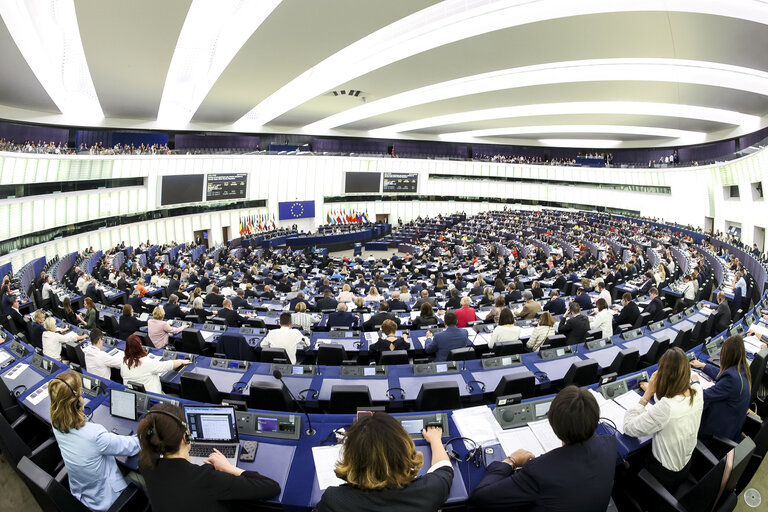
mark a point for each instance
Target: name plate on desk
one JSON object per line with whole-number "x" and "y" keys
{"x": 279, "y": 426}
{"x": 18, "y": 349}
{"x": 516, "y": 415}
{"x": 214, "y": 327}
{"x": 364, "y": 371}
{"x": 229, "y": 364}
{"x": 414, "y": 423}
{"x": 676, "y": 318}
{"x": 343, "y": 334}
{"x": 110, "y": 341}
{"x": 631, "y": 334}
{"x": 501, "y": 361}
{"x": 656, "y": 326}
{"x": 619, "y": 387}
{"x": 434, "y": 368}
{"x": 252, "y": 330}
{"x": 596, "y": 344}
{"x": 41, "y": 363}
{"x": 554, "y": 353}
{"x": 294, "y": 370}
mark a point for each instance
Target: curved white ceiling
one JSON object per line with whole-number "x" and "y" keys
{"x": 650, "y": 73}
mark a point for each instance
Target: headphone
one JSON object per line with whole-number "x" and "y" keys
{"x": 78, "y": 404}
{"x": 475, "y": 453}
{"x": 182, "y": 424}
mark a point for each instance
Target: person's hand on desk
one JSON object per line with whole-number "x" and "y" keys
{"x": 81, "y": 338}
{"x": 697, "y": 364}
{"x": 649, "y": 388}
{"x": 694, "y": 377}
{"x": 429, "y": 334}
{"x": 518, "y": 458}
{"x": 220, "y": 463}
{"x": 178, "y": 363}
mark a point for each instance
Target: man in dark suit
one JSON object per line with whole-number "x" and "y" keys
{"x": 576, "y": 476}
{"x": 122, "y": 283}
{"x": 721, "y": 318}
{"x": 559, "y": 282}
{"x": 452, "y": 337}
{"x": 128, "y": 324}
{"x": 213, "y": 298}
{"x": 655, "y": 308}
{"x": 172, "y": 309}
{"x": 582, "y": 299}
{"x": 238, "y": 301}
{"x": 203, "y": 282}
{"x": 92, "y": 292}
{"x": 396, "y": 304}
{"x": 647, "y": 284}
{"x": 341, "y": 317}
{"x": 453, "y": 302}
{"x": 231, "y": 316}
{"x": 574, "y": 325}
{"x": 173, "y": 284}
{"x": 555, "y": 305}
{"x": 513, "y": 294}
{"x": 299, "y": 298}
{"x": 16, "y": 325}
{"x": 629, "y": 312}
{"x": 424, "y": 298}
{"x": 135, "y": 302}
{"x": 378, "y": 318}
{"x": 327, "y": 302}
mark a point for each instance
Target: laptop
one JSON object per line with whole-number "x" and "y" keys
{"x": 210, "y": 427}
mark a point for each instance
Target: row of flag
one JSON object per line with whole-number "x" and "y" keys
{"x": 256, "y": 224}
{"x": 343, "y": 217}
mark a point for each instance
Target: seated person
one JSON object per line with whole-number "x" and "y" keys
{"x": 91, "y": 315}
{"x": 465, "y": 313}
{"x": 379, "y": 317}
{"x": 574, "y": 325}
{"x": 97, "y": 361}
{"x": 655, "y": 308}
{"x": 52, "y": 340}
{"x": 493, "y": 315}
{"x": 443, "y": 342}
{"x": 198, "y": 308}
{"x": 380, "y": 463}
{"x": 303, "y": 319}
{"x": 346, "y": 294}
{"x": 530, "y": 308}
{"x": 286, "y": 337}
{"x": 128, "y": 324}
{"x": 396, "y": 304}
{"x": 555, "y": 304}
{"x": 578, "y": 476}
{"x": 36, "y": 329}
{"x": 454, "y": 302}
{"x": 629, "y": 312}
{"x": 69, "y": 314}
{"x": 172, "y": 308}
{"x": 390, "y": 340}
{"x": 213, "y": 298}
{"x": 726, "y": 403}
{"x": 426, "y": 317}
{"x": 159, "y": 330}
{"x": 327, "y": 302}
{"x": 233, "y": 318}
{"x": 582, "y": 299}
{"x": 536, "y": 290}
{"x": 603, "y": 319}
{"x": 341, "y": 317}
{"x": 506, "y": 330}
{"x": 87, "y": 448}
{"x": 542, "y": 331}
{"x": 139, "y": 368}
{"x": 215, "y": 486}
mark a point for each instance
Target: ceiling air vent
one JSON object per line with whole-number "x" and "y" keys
{"x": 349, "y": 93}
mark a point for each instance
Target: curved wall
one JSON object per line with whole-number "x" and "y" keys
{"x": 683, "y": 195}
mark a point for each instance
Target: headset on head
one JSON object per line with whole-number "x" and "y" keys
{"x": 182, "y": 424}
{"x": 78, "y": 403}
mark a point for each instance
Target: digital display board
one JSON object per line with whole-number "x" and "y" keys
{"x": 401, "y": 182}
{"x": 184, "y": 188}
{"x": 362, "y": 182}
{"x": 226, "y": 186}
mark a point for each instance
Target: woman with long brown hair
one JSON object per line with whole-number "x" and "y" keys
{"x": 138, "y": 367}
{"x": 380, "y": 464}
{"x": 673, "y": 419}
{"x": 726, "y": 403}
{"x": 87, "y": 448}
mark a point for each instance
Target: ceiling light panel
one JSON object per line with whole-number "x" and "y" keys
{"x": 683, "y": 136}
{"x": 212, "y": 34}
{"x": 48, "y": 36}
{"x": 592, "y": 70}
{"x": 581, "y": 143}
{"x": 454, "y": 20}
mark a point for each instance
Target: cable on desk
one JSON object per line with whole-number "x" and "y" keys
{"x": 302, "y": 396}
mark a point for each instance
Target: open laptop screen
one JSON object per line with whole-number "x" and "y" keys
{"x": 211, "y": 423}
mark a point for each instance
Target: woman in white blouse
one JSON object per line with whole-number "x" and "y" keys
{"x": 373, "y": 295}
{"x": 140, "y": 368}
{"x": 52, "y": 340}
{"x": 346, "y": 295}
{"x": 673, "y": 419}
{"x": 506, "y": 330}
{"x": 539, "y": 335}
{"x": 603, "y": 319}
{"x": 405, "y": 295}
{"x": 303, "y": 319}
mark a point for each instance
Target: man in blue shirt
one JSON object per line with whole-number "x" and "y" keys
{"x": 556, "y": 305}
{"x": 582, "y": 299}
{"x": 452, "y": 337}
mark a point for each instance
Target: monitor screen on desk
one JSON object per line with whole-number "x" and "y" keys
{"x": 369, "y": 370}
{"x": 297, "y": 370}
{"x": 542, "y": 409}
{"x": 441, "y": 368}
{"x": 122, "y": 404}
{"x": 413, "y": 427}
{"x": 266, "y": 424}
{"x": 506, "y": 361}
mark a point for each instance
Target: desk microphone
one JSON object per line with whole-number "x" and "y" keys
{"x": 279, "y": 376}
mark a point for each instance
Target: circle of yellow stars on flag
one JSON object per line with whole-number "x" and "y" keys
{"x": 295, "y": 207}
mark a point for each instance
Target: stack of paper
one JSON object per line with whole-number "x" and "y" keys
{"x": 759, "y": 329}
{"x": 478, "y": 424}
{"x": 537, "y": 437}
{"x": 481, "y": 339}
{"x": 753, "y": 344}
{"x": 325, "y": 458}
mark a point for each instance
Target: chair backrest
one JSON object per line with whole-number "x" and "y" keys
{"x": 508, "y": 348}
{"x": 657, "y": 349}
{"x": 345, "y": 399}
{"x": 642, "y": 319}
{"x": 757, "y": 370}
{"x": 394, "y": 357}
{"x": 742, "y": 455}
{"x": 436, "y": 396}
{"x": 625, "y": 362}
{"x": 270, "y": 396}
{"x": 582, "y": 373}
{"x": 49, "y": 494}
{"x": 9, "y": 406}
{"x": 144, "y": 337}
{"x": 519, "y": 382}
{"x": 269, "y": 355}
{"x": 331, "y": 354}
{"x": 192, "y": 341}
{"x": 75, "y": 354}
{"x": 462, "y": 354}
{"x": 594, "y": 334}
{"x": 12, "y": 445}
{"x": 200, "y": 388}
{"x": 234, "y": 346}
{"x": 555, "y": 341}
{"x": 702, "y": 495}
{"x": 111, "y": 325}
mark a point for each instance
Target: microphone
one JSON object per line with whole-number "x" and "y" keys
{"x": 279, "y": 376}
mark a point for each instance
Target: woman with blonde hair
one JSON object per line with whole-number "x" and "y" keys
{"x": 542, "y": 331}
{"x": 380, "y": 464}
{"x": 373, "y": 295}
{"x": 346, "y": 294}
{"x": 673, "y": 419}
{"x": 87, "y": 448}
{"x": 405, "y": 295}
{"x": 159, "y": 330}
{"x": 52, "y": 340}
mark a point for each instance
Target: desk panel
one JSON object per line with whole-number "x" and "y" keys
{"x": 491, "y": 378}
{"x": 412, "y": 385}
{"x": 295, "y": 384}
{"x": 643, "y": 344}
{"x": 557, "y": 368}
{"x": 222, "y": 379}
{"x": 377, "y": 387}
{"x": 604, "y": 356}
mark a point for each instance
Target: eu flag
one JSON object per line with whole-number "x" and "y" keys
{"x": 296, "y": 210}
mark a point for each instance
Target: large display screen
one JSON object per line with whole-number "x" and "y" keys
{"x": 226, "y": 186}
{"x": 184, "y": 188}
{"x": 362, "y": 182}
{"x": 401, "y": 182}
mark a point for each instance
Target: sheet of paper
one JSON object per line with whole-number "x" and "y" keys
{"x": 759, "y": 329}
{"x": 598, "y": 396}
{"x": 325, "y": 458}
{"x": 704, "y": 379}
{"x": 520, "y": 438}
{"x": 752, "y": 344}
{"x": 4, "y": 356}
{"x": 208, "y": 334}
{"x": 614, "y": 412}
{"x": 481, "y": 315}
{"x": 16, "y": 371}
{"x": 478, "y": 424}
{"x": 39, "y": 395}
{"x": 481, "y": 339}
{"x": 628, "y": 399}
{"x": 545, "y": 435}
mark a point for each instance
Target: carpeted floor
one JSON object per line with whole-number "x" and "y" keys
{"x": 14, "y": 495}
